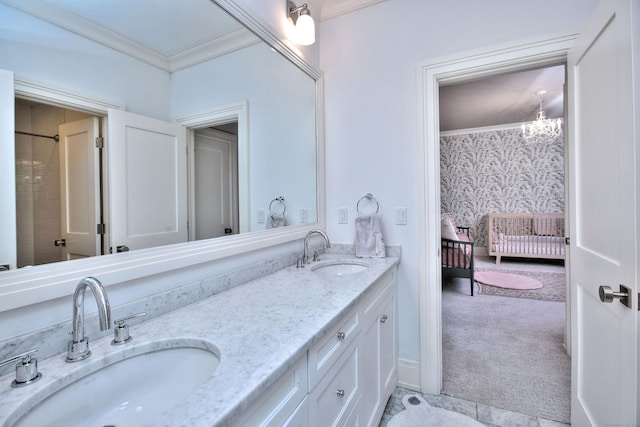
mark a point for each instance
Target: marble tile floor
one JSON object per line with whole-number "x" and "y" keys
{"x": 487, "y": 415}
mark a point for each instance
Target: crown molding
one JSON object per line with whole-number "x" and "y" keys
{"x": 85, "y": 28}
{"x": 209, "y": 50}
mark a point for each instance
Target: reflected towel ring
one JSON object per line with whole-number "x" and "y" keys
{"x": 369, "y": 197}
{"x": 281, "y": 200}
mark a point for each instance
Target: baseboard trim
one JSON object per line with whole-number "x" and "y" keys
{"x": 409, "y": 374}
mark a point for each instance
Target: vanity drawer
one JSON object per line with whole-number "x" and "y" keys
{"x": 337, "y": 394}
{"x": 324, "y": 353}
{"x": 280, "y": 400}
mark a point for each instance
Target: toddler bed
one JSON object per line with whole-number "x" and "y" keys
{"x": 457, "y": 250}
{"x": 526, "y": 235}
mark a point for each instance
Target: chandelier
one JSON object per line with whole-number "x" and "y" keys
{"x": 542, "y": 129}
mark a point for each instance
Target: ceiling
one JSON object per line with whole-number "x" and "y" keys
{"x": 153, "y": 31}
{"x": 502, "y": 99}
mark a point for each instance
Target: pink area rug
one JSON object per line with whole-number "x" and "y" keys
{"x": 506, "y": 280}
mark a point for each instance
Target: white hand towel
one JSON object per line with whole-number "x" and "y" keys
{"x": 369, "y": 241}
{"x": 275, "y": 220}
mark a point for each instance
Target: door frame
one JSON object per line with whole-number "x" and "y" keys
{"x": 236, "y": 112}
{"x": 232, "y": 142}
{"x": 63, "y": 98}
{"x": 503, "y": 58}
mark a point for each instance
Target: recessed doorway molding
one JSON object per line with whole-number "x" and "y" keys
{"x": 514, "y": 56}
{"x": 234, "y": 112}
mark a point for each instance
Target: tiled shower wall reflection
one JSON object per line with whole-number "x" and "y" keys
{"x": 38, "y": 182}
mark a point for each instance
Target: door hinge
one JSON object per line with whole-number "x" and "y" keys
{"x": 101, "y": 229}
{"x": 99, "y": 142}
{"x": 567, "y": 241}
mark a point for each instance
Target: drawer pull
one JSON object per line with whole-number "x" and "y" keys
{"x": 383, "y": 318}
{"x": 340, "y": 392}
{"x": 341, "y": 335}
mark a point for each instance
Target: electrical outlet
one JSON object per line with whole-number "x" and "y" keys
{"x": 260, "y": 218}
{"x": 401, "y": 216}
{"x": 304, "y": 215}
{"x": 342, "y": 215}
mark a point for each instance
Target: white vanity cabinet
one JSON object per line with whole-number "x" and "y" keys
{"x": 378, "y": 370}
{"x": 349, "y": 372}
{"x": 281, "y": 404}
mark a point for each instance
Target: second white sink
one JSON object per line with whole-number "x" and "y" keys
{"x": 129, "y": 392}
{"x": 337, "y": 268}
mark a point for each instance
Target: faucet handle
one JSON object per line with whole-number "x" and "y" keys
{"x": 121, "y": 329}
{"x": 26, "y": 369}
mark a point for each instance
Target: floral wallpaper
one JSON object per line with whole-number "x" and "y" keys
{"x": 498, "y": 171}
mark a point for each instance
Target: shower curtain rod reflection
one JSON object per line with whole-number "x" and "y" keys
{"x": 56, "y": 138}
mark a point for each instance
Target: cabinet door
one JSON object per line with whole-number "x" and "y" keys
{"x": 370, "y": 372}
{"x": 388, "y": 346}
{"x": 378, "y": 364}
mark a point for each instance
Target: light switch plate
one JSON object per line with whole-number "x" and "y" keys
{"x": 304, "y": 215}
{"x": 401, "y": 216}
{"x": 342, "y": 215}
{"x": 260, "y": 218}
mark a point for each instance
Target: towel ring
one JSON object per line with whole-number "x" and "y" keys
{"x": 279, "y": 199}
{"x": 369, "y": 197}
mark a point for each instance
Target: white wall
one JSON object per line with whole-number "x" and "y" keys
{"x": 281, "y": 120}
{"x": 42, "y": 52}
{"x": 369, "y": 58}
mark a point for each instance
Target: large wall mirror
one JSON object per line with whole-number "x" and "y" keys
{"x": 236, "y": 168}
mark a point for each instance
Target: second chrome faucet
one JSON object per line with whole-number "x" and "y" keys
{"x": 305, "y": 255}
{"x": 79, "y": 344}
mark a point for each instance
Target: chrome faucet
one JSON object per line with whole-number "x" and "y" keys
{"x": 79, "y": 345}
{"x": 305, "y": 255}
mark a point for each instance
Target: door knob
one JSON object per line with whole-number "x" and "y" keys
{"x": 608, "y": 295}
{"x": 60, "y": 242}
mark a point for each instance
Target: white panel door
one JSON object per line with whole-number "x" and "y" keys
{"x": 147, "y": 181}
{"x": 604, "y": 218}
{"x": 80, "y": 199}
{"x": 216, "y": 184}
{"x": 8, "y": 242}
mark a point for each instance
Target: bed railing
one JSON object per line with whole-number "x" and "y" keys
{"x": 526, "y": 235}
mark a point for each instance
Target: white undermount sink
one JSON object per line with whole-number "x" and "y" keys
{"x": 341, "y": 267}
{"x": 128, "y": 392}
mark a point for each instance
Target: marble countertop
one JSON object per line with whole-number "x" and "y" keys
{"x": 259, "y": 330}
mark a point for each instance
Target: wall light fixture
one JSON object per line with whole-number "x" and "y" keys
{"x": 300, "y": 16}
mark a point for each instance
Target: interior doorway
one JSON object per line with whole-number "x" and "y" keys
{"x": 54, "y": 153}
{"x": 432, "y": 74}
{"x": 215, "y": 164}
{"x": 503, "y": 347}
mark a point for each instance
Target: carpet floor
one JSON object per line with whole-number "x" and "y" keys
{"x": 506, "y": 352}
{"x": 553, "y": 286}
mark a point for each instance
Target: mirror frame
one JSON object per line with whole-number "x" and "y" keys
{"x": 23, "y": 287}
